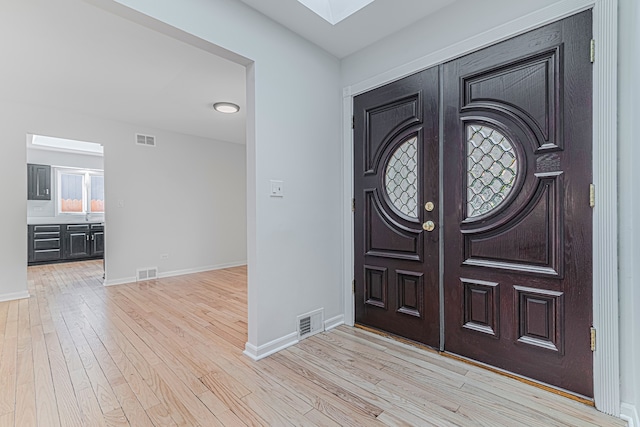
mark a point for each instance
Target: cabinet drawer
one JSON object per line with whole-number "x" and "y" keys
{"x": 78, "y": 227}
{"x": 46, "y": 235}
{"x": 42, "y": 244}
{"x": 46, "y": 255}
{"x": 97, "y": 227}
{"x": 46, "y": 228}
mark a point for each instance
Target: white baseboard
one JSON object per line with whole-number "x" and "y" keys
{"x": 257, "y": 353}
{"x": 629, "y": 413}
{"x": 334, "y": 322}
{"x": 175, "y": 273}
{"x": 14, "y": 296}
{"x": 201, "y": 269}
{"x": 123, "y": 281}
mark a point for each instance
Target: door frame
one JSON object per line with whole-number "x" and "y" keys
{"x": 606, "y": 360}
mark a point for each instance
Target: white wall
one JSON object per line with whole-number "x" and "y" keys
{"x": 185, "y": 198}
{"x": 45, "y": 210}
{"x": 294, "y": 245}
{"x": 459, "y": 21}
{"x": 13, "y": 216}
{"x": 62, "y": 158}
{"x": 629, "y": 206}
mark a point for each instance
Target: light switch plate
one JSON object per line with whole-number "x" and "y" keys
{"x": 277, "y": 189}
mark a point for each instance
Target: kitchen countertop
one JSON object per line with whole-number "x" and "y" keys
{"x": 58, "y": 220}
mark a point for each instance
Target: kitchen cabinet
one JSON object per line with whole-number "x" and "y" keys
{"x": 76, "y": 241}
{"x": 44, "y": 243}
{"x": 38, "y": 182}
{"x": 83, "y": 241}
{"x": 97, "y": 240}
{"x": 65, "y": 242}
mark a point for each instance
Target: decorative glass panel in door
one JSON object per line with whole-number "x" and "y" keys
{"x": 401, "y": 178}
{"x": 492, "y": 168}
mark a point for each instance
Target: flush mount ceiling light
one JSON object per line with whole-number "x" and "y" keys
{"x": 226, "y": 107}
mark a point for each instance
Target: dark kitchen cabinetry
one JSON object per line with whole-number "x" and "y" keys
{"x": 97, "y": 240}
{"x": 66, "y": 242}
{"x": 38, "y": 182}
{"x": 76, "y": 241}
{"x": 83, "y": 241}
{"x": 45, "y": 243}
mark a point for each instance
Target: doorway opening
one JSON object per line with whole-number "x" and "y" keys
{"x": 65, "y": 201}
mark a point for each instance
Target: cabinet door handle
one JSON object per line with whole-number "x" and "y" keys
{"x": 93, "y": 237}
{"x": 87, "y": 237}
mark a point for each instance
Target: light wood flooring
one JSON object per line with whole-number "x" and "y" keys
{"x": 169, "y": 353}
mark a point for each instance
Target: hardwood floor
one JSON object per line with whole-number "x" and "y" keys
{"x": 169, "y": 353}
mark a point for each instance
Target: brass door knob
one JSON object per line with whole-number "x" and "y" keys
{"x": 429, "y": 206}
{"x": 428, "y": 226}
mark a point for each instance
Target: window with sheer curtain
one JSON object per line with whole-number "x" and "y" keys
{"x": 80, "y": 192}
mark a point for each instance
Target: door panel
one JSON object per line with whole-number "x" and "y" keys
{"x": 396, "y": 169}
{"x": 517, "y": 236}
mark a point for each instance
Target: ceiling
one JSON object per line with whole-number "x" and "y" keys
{"x": 368, "y": 25}
{"x": 334, "y": 11}
{"x": 71, "y": 55}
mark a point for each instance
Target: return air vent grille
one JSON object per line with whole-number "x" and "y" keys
{"x": 147, "y": 140}
{"x": 305, "y": 326}
{"x": 311, "y": 323}
{"x": 146, "y": 274}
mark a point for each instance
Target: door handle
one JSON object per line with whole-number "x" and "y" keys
{"x": 428, "y": 226}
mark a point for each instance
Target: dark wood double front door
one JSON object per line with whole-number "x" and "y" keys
{"x": 473, "y": 229}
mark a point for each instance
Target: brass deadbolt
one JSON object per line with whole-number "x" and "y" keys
{"x": 428, "y": 226}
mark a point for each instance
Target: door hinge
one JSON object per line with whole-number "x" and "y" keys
{"x": 593, "y": 339}
{"x": 592, "y": 51}
{"x": 353, "y": 122}
{"x": 353, "y": 205}
{"x": 592, "y": 195}
{"x": 353, "y": 286}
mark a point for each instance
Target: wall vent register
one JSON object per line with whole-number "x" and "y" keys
{"x": 146, "y": 274}
{"x": 310, "y": 323}
{"x": 147, "y": 140}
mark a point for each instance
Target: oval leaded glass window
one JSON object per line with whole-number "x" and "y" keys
{"x": 401, "y": 178}
{"x": 492, "y": 168}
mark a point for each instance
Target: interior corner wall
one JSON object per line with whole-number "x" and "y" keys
{"x": 295, "y": 247}
{"x": 184, "y": 198}
{"x": 629, "y": 206}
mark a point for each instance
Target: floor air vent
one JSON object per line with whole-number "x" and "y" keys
{"x": 146, "y": 274}
{"x": 310, "y": 323}
{"x": 147, "y": 140}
